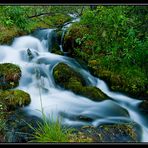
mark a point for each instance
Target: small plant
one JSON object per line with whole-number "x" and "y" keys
{"x": 79, "y": 41}
{"x": 51, "y": 131}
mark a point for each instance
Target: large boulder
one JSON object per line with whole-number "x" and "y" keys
{"x": 63, "y": 74}
{"x": 10, "y": 100}
{"x": 14, "y": 98}
{"x": 68, "y": 78}
{"x": 107, "y": 133}
{"x": 9, "y": 76}
{"x": 20, "y": 127}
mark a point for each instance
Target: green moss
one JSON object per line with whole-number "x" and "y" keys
{"x": 80, "y": 137}
{"x": 9, "y": 33}
{"x": 9, "y": 75}
{"x": 63, "y": 74}
{"x": 38, "y": 23}
{"x": 119, "y": 132}
{"x": 75, "y": 82}
{"x": 130, "y": 81}
{"x": 59, "y": 35}
{"x": 91, "y": 92}
{"x": 14, "y": 98}
{"x": 111, "y": 133}
{"x": 56, "y": 49}
{"x": 75, "y": 31}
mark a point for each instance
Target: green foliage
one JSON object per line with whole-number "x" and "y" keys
{"x": 14, "y": 98}
{"x": 116, "y": 32}
{"x": 15, "y": 15}
{"x": 51, "y": 131}
{"x": 20, "y": 16}
{"x": 79, "y": 41}
{"x": 115, "y": 39}
{"x": 84, "y": 38}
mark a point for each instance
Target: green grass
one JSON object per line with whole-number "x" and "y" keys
{"x": 51, "y": 131}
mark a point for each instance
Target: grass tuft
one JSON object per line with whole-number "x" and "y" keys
{"x": 51, "y": 131}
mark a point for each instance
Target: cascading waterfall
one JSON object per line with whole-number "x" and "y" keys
{"x": 36, "y": 62}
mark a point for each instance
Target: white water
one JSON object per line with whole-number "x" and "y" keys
{"x": 38, "y": 81}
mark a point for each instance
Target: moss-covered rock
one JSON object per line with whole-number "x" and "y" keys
{"x": 59, "y": 35}
{"x": 8, "y": 33}
{"x": 74, "y": 32}
{"x": 14, "y": 98}
{"x": 55, "y": 47}
{"x": 69, "y": 79}
{"x": 18, "y": 129}
{"x": 9, "y": 76}
{"x": 108, "y": 133}
{"x": 63, "y": 74}
{"x": 10, "y": 100}
{"x": 118, "y": 133}
{"x": 91, "y": 92}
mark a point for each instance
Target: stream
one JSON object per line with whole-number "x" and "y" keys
{"x": 33, "y": 54}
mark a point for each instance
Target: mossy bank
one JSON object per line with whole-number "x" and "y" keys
{"x": 111, "y": 52}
